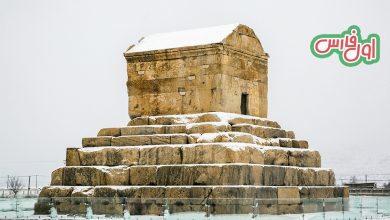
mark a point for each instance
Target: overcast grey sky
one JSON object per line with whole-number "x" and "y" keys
{"x": 63, "y": 75}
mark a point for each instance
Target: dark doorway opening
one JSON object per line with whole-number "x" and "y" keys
{"x": 244, "y": 104}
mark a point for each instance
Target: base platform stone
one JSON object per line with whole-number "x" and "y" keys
{"x": 222, "y": 163}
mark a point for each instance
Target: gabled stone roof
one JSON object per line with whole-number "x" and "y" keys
{"x": 224, "y": 34}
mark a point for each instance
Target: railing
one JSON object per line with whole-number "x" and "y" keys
{"x": 34, "y": 192}
{"x": 369, "y": 192}
{"x": 352, "y": 208}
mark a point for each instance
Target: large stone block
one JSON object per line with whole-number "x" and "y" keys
{"x": 342, "y": 191}
{"x": 132, "y": 140}
{"x": 285, "y": 142}
{"x": 288, "y": 195}
{"x": 139, "y": 121}
{"x": 273, "y": 175}
{"x": 96, "y": 141}
{"x": 304, "y": 158}
{"x": 148, "y": 155}
{"x": 179, "y": 139}
{"x": 288, "y": 142}
{"x": 143, "y": 175}
{"x": 207, "y": 127}
{"x": 239, "y": 119}
{"x": 225, "y": 200}
{"x": 164, "y": 154}
{"x": 306, "y": 177}
{"x": 209, "y": 175}
{"x": 321, "y": 192}
{"x": 271, "y": 132}
{"x": 238, "y": 137}
{"x": 300, "y": 144}
{"x": 189, "y": 192}
{"x": 56, "y": 177}
{"x": 165, "y": 120}
{"x": 290, "y": 134}
{"x": 105, "y": 191}
{"x": 260, "y": 131}
{"x": 295, "y": 176}
{"x": 142, "y": 130}
{"x": 72, "y": 157}
{"x": 221, "y": 153}
{"x": 114, "y": 132}
{"x": 56, "y": 191}
{"x": 144, "y": 200}
{"x": 274, "y": 156}
{"x": 93, "y": 176}
{"x": 323, "y": 178}
{"x": 122, "y": 156}
{"x": 169, "y": 155}
{"x": 109, "y": 156}
{"x": 117, "y": 176}
{"x": 82, "y": 191}
{"x": 160, "y": 139}
{"x": 207, "y": 117}
{"x": 175, "y": 129}
{"x": 291, "y": 177}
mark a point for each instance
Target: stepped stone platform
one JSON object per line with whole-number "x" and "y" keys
{"x": 198, "y": 138}
{"x": 191, "y": 159}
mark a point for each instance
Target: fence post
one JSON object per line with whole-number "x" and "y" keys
{"x": 377, "y": 207}
{"x": 323, "y": 207}
{"x": 255, "y": 207}
{"x": 28, "y": 189}
{"x": 342, "y": 206}
{"x": 361, "y": 208}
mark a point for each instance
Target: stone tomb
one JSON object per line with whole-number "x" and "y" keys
{"x": 189, "y": 143}
{"x": 218, "y": 69}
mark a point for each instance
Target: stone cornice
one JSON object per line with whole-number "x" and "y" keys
{"x": 193, "y": 51}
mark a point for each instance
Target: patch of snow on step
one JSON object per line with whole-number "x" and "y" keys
{"x": 85, "y": 190}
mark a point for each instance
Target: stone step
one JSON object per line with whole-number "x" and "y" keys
{"x": 193, "y": 174}
{"x": 155, "y": 139}
{"x": 200, "y": 153}
{"x": 262, "y": 131}
{"x": 230, "y": 118}
{"x": 193, "y": 128}
{"x": 141, "y": 200}
{"x": 181, "y": 138}
{"x": 242, "y": 137}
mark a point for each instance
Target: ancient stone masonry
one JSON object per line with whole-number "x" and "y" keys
{"x": 198, "y": 134}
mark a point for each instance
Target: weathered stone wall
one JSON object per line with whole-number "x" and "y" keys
{"x": 213, "y": 76}
{"x": 141, "y": 200}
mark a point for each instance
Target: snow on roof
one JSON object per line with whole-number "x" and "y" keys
{"x": 194, "y": 37}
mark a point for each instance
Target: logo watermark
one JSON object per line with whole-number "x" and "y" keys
{"x": 349, "y": 45}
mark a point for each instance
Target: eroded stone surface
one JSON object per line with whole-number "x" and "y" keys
{"x": 189, "y": 174}
{"x": 260, "y": 131}
{"x": 114, "y": 132}
{"x": 97, "y": 141}
{"x": 201, "y": 153}
{"x": 224, "y": 199}
{"x": 217, "y": 75}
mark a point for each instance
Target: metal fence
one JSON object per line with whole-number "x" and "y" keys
{"x": 190, "y": 208}
{"x": 5, "y": 193}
